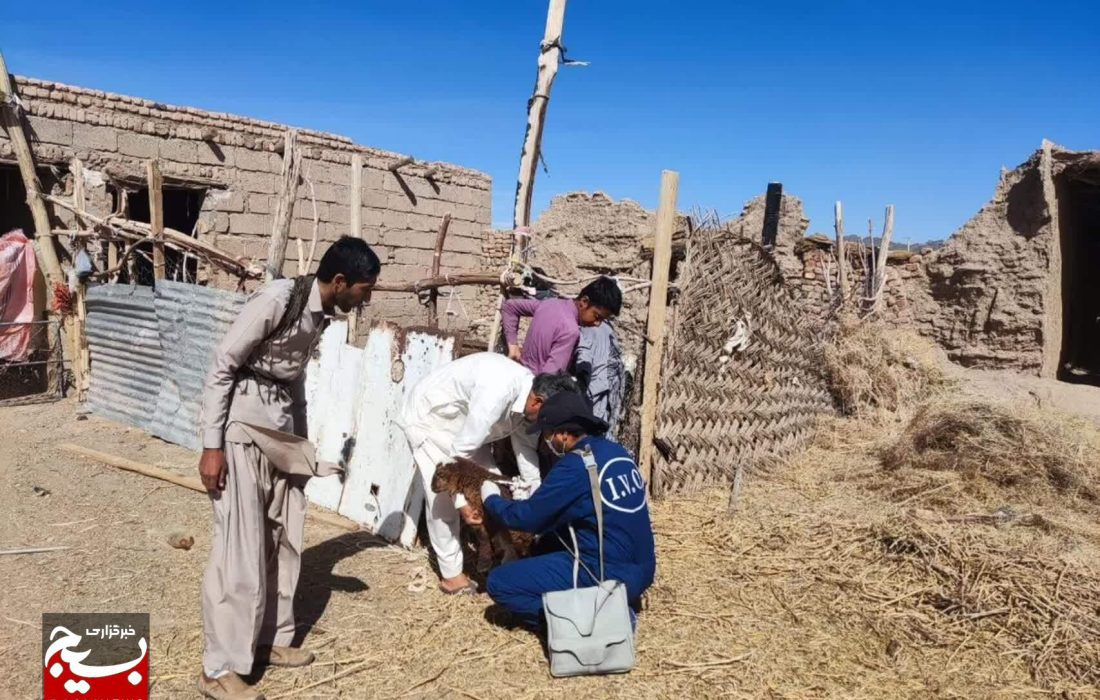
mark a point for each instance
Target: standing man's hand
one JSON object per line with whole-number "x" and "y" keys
{"x": 514, "y": 352}
{"x": 212, "y": 469}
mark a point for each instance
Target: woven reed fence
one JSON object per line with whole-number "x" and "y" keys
{"x": 722, "y": 409}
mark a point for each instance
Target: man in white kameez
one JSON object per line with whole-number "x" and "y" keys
{"x": 458, "y": 411}
{"x": 255, "y": 462}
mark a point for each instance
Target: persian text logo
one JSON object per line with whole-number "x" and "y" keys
{"x": 95, "y": 656}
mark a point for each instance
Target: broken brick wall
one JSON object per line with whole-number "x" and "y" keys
{"x": 237, "y": 163}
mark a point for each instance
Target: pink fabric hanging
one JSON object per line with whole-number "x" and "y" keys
{"x": 17, "y": 270}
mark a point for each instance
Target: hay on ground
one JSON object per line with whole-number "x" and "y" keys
{"x": 1001, "y": 445}
{"x": 872, "y": 367}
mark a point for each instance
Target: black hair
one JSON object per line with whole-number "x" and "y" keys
{"x": 350, "y": 257}
{"x": 547, "y": 385}
{"x": 604, "y": 293}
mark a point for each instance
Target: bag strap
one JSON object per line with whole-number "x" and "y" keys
{"x": 592, "y": 469}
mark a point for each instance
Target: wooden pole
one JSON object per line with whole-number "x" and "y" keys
{"x": 284, "y": 206}
{"x": 356, "y": 219}
{"x": 156, "y": 216}
{"x": 550, "y": 53}
{"x": 655, "y": 328}
{"x": 841, "y": 257}
{"x": 356, "y": 195}
{"x": 437, "y": 260}
{"x": 883, "y": 253}
{"x": 81, "y": 358}
{"x": 186, "y": 482}
{"x": 549, "y": 58}
{"x": 12, "y": 119}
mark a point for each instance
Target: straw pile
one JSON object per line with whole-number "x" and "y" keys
{"x": 871, "y": 367}
{"x": 988, "y": 443}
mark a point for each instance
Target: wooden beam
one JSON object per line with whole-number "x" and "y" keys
{"x": 487, "y": 279}
{"x": 841, "y": 258}
{"x": 186, "y": 482}
{"x": 173, "y": 238}
{"x": 156, "y": 216}
{"x": 407, "y": 160}
{"x": 437, "y": 260}
{"x": 655, "y": 327}
{"x": 284, "y": 206}
{"x": 11, "y": 116}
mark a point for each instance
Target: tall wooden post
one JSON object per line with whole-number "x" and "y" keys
{"x": 12, "y": 120}
{"x": 883, "y": 253}
{"x": 550, "y": 53}
{"x": 156, "y": 216}
{"x": 841, "y": 257}
{"x": 356, "y": 219}
{"x": 284, "y": 206}
{"x": 655, "y": 328}
{"x": 356, "y": 203}
{"x": 81, "y": 359}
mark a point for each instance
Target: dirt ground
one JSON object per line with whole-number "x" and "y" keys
{"x": 794, "y": 596}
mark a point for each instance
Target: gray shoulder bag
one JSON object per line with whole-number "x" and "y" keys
{"x": 588, "y": 630}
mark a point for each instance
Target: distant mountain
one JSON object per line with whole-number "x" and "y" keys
{"x": 894, "y": 244}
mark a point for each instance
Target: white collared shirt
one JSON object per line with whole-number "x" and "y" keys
{"x": 472, "y": 402}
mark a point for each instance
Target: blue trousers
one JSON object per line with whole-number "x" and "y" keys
{"x": 519, "y": 585}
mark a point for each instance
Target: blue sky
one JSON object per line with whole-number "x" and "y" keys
{"x": 915, "y": 104}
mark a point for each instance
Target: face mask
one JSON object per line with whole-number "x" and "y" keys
{"x": 550, "y": 444}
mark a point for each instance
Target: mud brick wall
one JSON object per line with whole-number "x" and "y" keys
{"x": 237, "y": 163}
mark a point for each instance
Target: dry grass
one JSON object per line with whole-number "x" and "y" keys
{"x": 837, "y": 578}
{"x": 872, "y": 368}
{"x": 1003, "y": 446}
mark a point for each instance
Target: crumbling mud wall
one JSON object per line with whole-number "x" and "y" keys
{"x": 580, "y": 235}
{"x": 232, "y": 165}
{"x": 1008, "y": 290}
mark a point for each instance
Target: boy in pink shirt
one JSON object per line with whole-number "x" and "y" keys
{"x": 556, "y": 324}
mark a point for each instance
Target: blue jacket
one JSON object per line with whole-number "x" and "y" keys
{"x": 565, "y": 498}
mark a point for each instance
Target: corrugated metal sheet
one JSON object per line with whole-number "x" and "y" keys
{"x": 124, "y": 342}
{"x": 151, "y": 351}
{"x": 192, "y": 321}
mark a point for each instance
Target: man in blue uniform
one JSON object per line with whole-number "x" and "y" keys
{"x": 565, "y": 498}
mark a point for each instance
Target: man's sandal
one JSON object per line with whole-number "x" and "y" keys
{"x": 469, "y": 589}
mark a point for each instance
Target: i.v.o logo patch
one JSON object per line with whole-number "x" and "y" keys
{"x": 621, "y": 485}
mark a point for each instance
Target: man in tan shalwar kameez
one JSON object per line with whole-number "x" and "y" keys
{"x": 255, "y": 462}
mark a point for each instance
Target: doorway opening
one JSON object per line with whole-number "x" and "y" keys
{"x": 1079, "y": 222}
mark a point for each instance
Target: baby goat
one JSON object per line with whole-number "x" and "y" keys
{"x": 494, "y": 541}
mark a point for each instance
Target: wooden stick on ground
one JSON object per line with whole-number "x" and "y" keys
{"x": 437, "y": 260}
{"x": 156, "y": 216}
{"x": 186, "y": 482}
{"x": 655, "y": 330}
{"x": 32, "y": 550}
